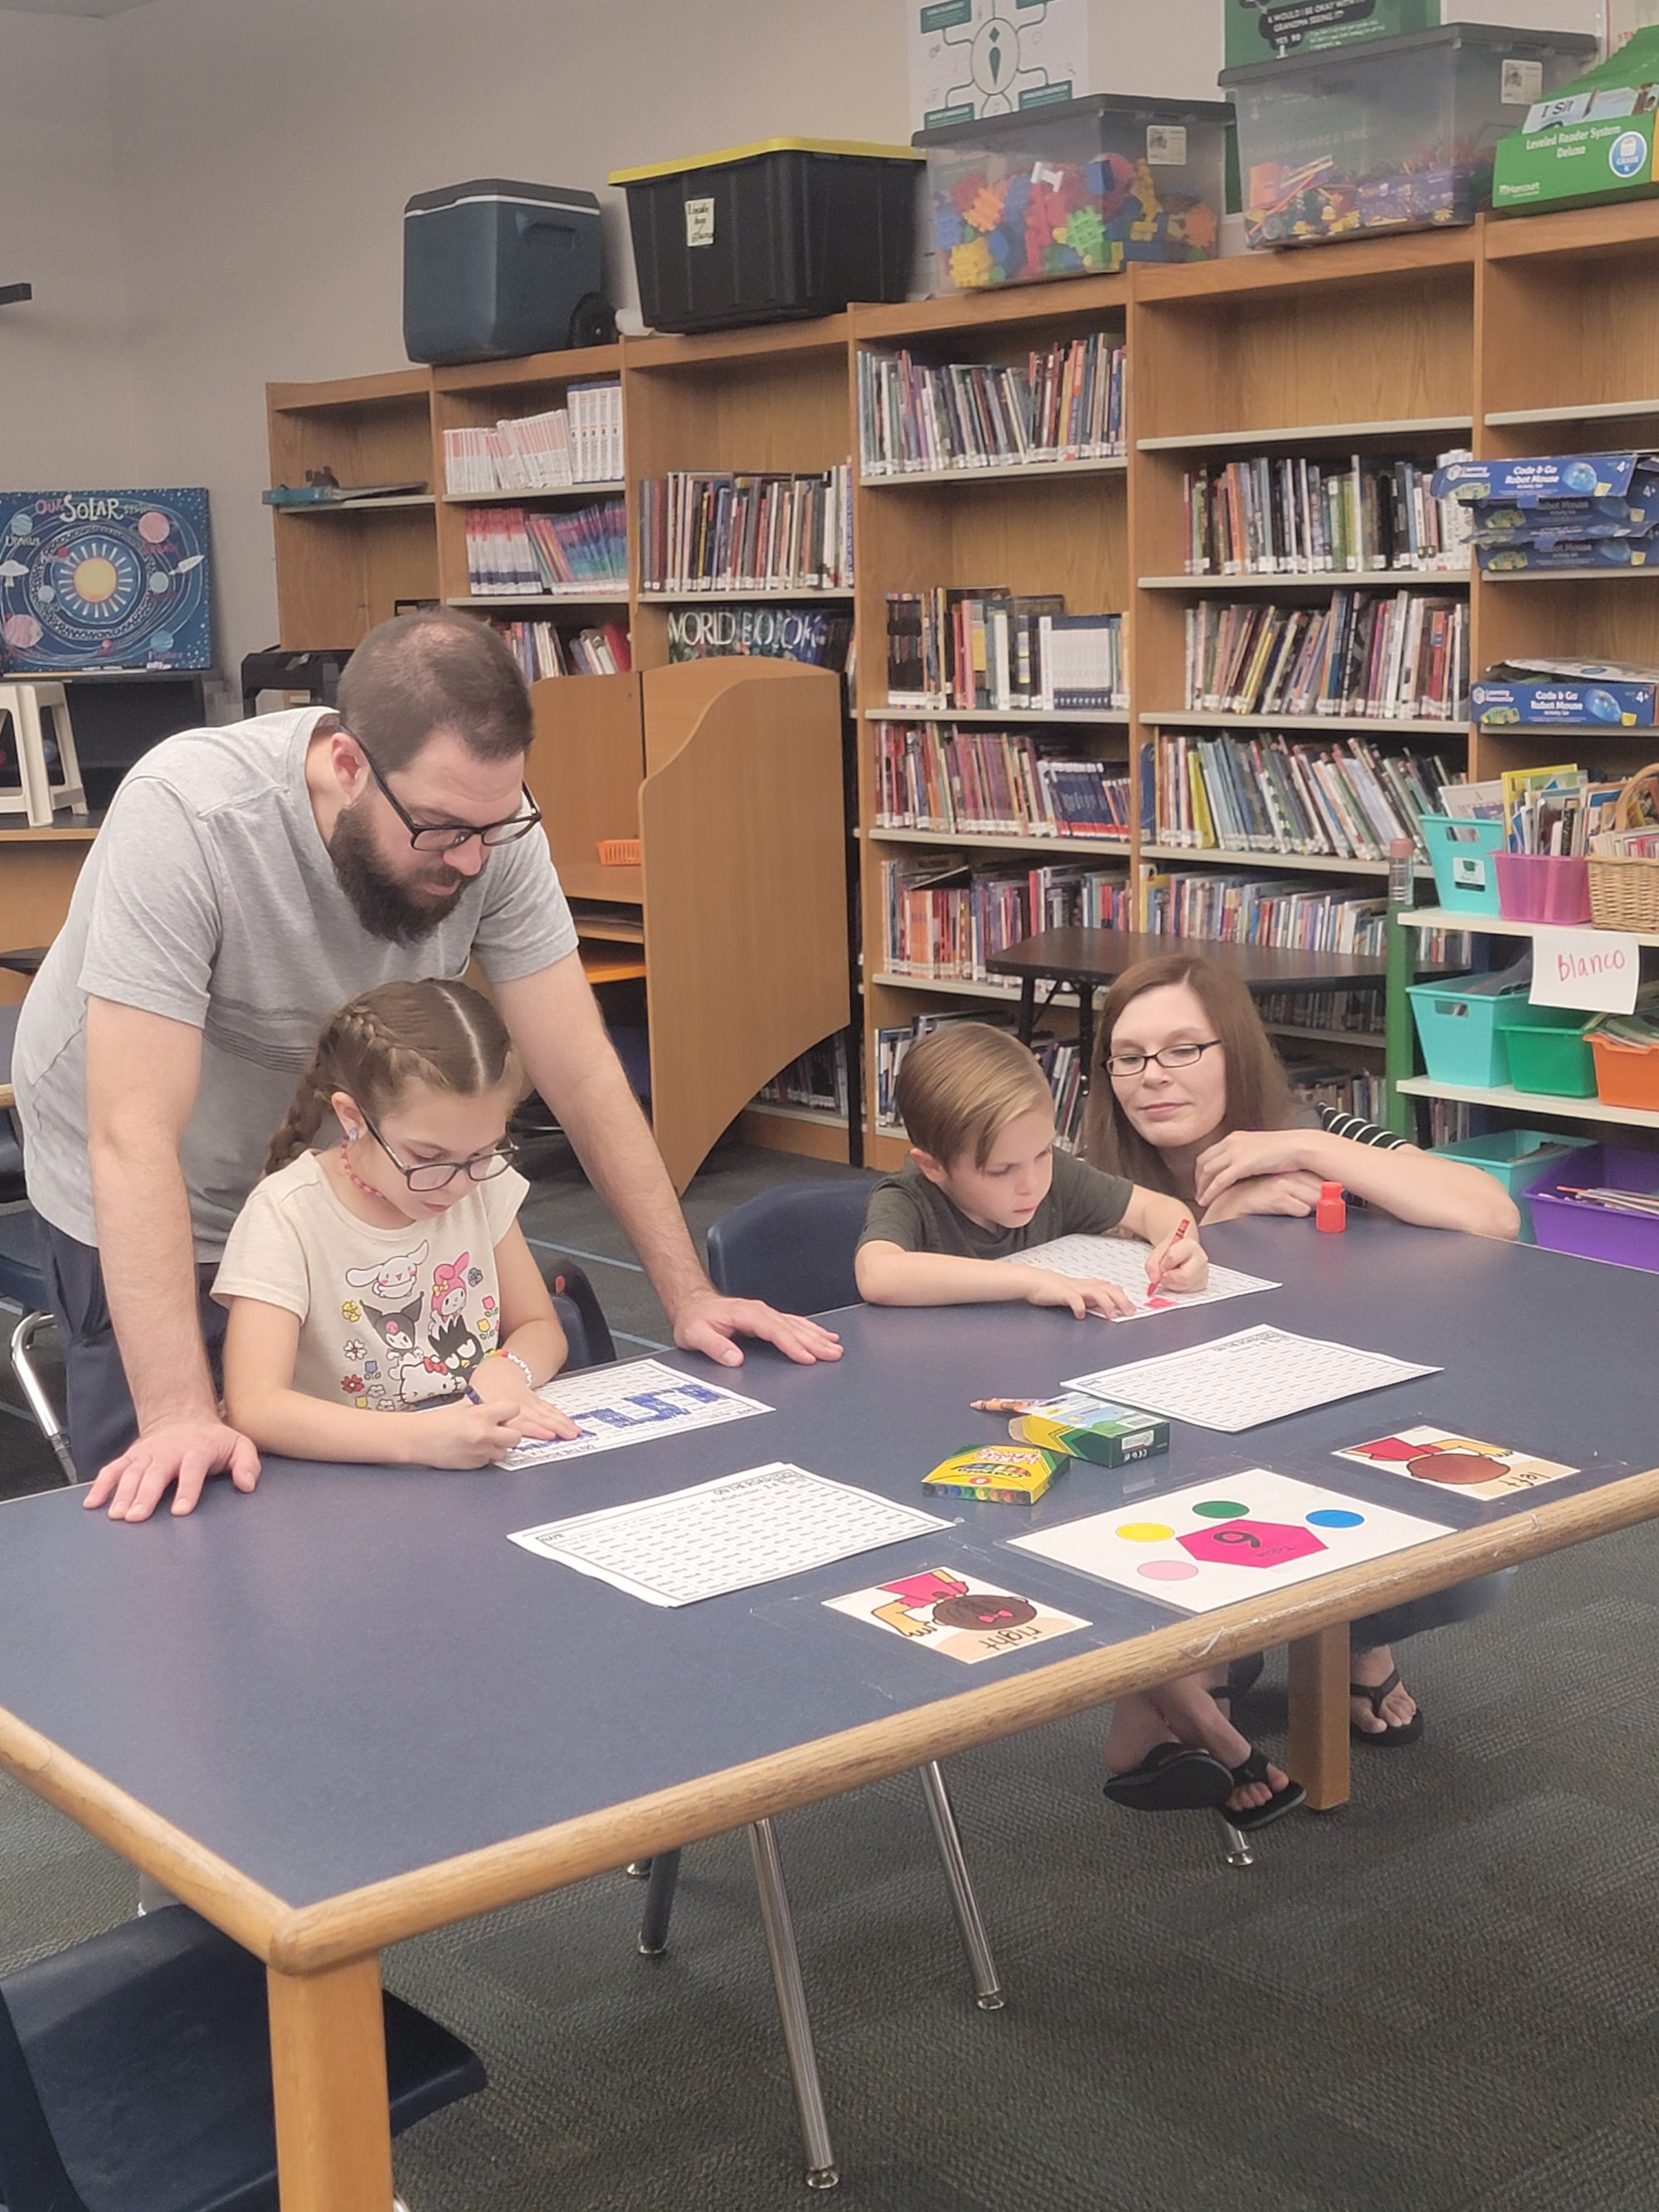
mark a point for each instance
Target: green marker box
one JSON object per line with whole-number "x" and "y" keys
{"x": 1104, "y": 1434}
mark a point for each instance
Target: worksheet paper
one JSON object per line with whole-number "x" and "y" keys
{"x": 1122, "y": 1261}
{"x": 627, "y": 1405}
{"x": 1257, "y": 1375}
{"x": 727, "y": 1535}
{"x": 1230, "y": 1537}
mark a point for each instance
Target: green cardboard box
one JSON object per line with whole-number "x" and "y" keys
{"x": 1592, "y": 141}
{"x": 1261, "y": 30}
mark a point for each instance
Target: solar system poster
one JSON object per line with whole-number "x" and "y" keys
{"x": 96, "y": 579}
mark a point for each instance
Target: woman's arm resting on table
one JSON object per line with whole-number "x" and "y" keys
{"x": 1412, "y": 1185}
{"x": 556, "y": 1027}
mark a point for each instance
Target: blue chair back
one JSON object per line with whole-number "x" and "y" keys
{"x": 20, "y": 1278}
{"x": 792, "y": 1246}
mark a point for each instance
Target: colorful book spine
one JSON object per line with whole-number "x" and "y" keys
{"x": 918, "y": 417}
{"x": 1364, "y": 654}
{"x": 721, "y": 530}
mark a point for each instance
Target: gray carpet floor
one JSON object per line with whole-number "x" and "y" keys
{"x": 1444, "y": 1998}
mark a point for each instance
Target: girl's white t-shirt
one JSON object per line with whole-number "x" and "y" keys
{"x": 390, "y": 1319}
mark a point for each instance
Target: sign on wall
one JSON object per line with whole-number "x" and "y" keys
{"x": 971, "y": 57}
{"x": 91, "y": 580}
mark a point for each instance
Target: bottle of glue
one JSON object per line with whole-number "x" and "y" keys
{"x": 1331, "y": 1213}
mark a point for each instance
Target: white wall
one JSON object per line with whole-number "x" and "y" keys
{"x": 243, "y": 164}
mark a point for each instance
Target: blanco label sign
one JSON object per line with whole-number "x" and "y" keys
{"x": 1595, "y": 970}
{"x": 700, "y": 223}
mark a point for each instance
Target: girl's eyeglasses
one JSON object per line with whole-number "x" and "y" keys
{"x": 1173, "y": 1055}
{"x": 438, "y": 1175}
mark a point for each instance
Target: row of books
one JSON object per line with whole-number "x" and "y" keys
{"x": 809, "y": 634}
{"x": 1065, "y": 405}
{"x": 816, "y": 1079}
{"x": 1451, "y": 1121}
{"x": 945, "y": 916}
{"x": 712, "y": 530}
{"x": 1344, "y": 1013}
{"x": 511, "y": 551}
{"x": 982, "y": 648}
{"x": 1058, "y": 1057}
{"x": 1284, "y": 912}
{"x": 1269, "y": 516}
{"x": 933, "y": 777}
{"x": 542, "y": 649}
{"x": 1264, "y": 794}
{"x": 578, "y": 443}
{"x": 1404, "y": 657}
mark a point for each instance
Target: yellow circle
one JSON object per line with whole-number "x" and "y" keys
{"x": 1144, "y": 1532}
{"x": 95, "y": 580}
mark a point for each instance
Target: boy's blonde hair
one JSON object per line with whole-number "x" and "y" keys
{"x": 958, "y": 1090}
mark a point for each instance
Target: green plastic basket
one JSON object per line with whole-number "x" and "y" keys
{"x": 1550, "y": 1054}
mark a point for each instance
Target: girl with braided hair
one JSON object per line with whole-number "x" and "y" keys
{"x": 386, "y": 1271}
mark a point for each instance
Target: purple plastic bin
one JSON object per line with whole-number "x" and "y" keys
{"x": 1595, "y": 1232}
{"x": 1542, "y": 887}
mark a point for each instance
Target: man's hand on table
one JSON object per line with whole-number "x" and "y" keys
{"x": 707, "y": 1322}
{"x": 179, "y": 1455}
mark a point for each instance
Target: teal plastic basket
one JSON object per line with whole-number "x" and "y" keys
{"x": 1461, "y": 1027}
{"x": 1463, "y": 854}
{"x": 1517, "y": 1158}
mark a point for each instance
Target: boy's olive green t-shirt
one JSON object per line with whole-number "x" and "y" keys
{"x": 907, "y": 1210}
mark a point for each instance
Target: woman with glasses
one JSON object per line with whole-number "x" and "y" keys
{"x": 1188, "y": 1097}
{"x": 386, "y": 1273}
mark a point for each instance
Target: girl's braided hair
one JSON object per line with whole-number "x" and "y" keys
{"x": 446, "y": 1035}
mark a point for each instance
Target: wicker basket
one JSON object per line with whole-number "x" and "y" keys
{"x": 1624, "y": 890}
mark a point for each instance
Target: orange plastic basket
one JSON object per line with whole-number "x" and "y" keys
{"x": 619, "y": 853}
{"x": 1625, "y": 1074}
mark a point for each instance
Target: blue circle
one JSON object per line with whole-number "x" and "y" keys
{"x": 1334, "y": 1516}
{"x": 1627, "y": 153}
{"x": 21, "y": 525}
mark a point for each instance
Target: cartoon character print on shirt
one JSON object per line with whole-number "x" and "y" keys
{"x": 452, "y": 1340}
{"x": 413, "y": 1374}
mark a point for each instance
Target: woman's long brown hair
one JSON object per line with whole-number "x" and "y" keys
{"x": 1258, "y": 1096}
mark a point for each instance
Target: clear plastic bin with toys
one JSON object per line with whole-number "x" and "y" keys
{"x": 1076, "y": 188}
{"x": 1391, "y": 134}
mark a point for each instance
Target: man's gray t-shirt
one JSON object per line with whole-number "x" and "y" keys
{"x": 208, "y": 896}
{"x": 907, "y": 1210}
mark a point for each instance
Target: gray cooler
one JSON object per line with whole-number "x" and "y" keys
{"x": 492, "y": 269}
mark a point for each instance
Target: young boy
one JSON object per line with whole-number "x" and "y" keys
{"x": 983, "y": 1183}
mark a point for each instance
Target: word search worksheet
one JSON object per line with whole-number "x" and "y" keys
{"x": 1122, "y": 1261}
{"x": 627, "y": 1405}
{"x": 727, "y": 1535}
{"x": 1256, "y": 1375}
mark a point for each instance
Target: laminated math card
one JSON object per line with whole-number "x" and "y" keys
{"x": 1455, "y": 1462}
{"x": 971, "y": 1620}
{"x": 1095, "y": 1429}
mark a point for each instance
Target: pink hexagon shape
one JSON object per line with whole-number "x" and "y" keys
{"x": 1248, "y": 1543}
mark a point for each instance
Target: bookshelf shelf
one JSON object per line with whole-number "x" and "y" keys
{"x": 739, "y": 598}
{"x": 1004, "y": 993}
{"x": 1285, "y": 863}
{"x": 993, "y": 841}
{"x": 1608, "y": 575}
{"x": 538, "y": 600}
{"x": 1356, "y": 1040}
{"x": 1391, "y": 580}
{"x": 1530, "y": 1103}
{"x": 607, "y": 490}
{"x": 1105, "y": 717}
{"x": 1597, "y": 410}
{"x": 997, "y": 472}
{"x": 822, "y": 1117}
{"x": 1492, "y": 925}
{"x": 1305, "y": 435}
{"x": 360, "y": 505}
{"x": 1359, "y": 725}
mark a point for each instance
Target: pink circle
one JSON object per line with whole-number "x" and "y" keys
{"x": 1168, "y": 1571}
{"x": 154, "y": 527}
{"x": 21, "y": 631}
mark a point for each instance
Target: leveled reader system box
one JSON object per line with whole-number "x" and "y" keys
{"x": 1593, "y": 140}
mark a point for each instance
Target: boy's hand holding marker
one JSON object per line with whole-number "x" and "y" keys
{"x": 1180, "y": 1263}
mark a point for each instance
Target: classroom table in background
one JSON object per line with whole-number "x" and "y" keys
{"x": 328, "y": 1715}
{"x": 1088, "y": 960}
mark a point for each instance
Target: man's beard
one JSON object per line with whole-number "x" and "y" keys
{"x": 386, "y": 908}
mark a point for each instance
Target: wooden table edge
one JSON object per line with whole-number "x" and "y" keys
{"x": 327, "y": 1933}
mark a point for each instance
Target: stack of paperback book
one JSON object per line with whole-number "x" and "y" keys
{"x": 1301, "y": 517}
{"x": 933, "y": 777}
{"x": 1402, "y": 657}
{"x": 582, "y": 553}
{"x": 945, "y": 916}
{"x": 1264, "y": 794}
{"x": 580, "y": 443}
{"x": 1065, "y": 405}
{"x": 714, "y": 530}
{"x": 983, "y": 647}
{"x": 818, "y": 1079}
{"x": 1278, "y": 911}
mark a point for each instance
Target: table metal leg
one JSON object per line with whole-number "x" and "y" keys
{"x": 1239, "y": 1853}
{"x": 328, "y": 2072}
{"x": 1319, "y": 1716}
{"x": 658, "y": 1904}
{"x": 792, "y": 2006}
{"x": 988, "y": 1991}
{"x": 1027, "y": 1008}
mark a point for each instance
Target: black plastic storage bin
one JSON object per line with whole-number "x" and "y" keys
{"x": 493, "y": 269}
{"x": 771, "y": 233}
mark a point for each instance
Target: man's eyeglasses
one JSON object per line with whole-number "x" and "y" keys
{"x": 1173, "y": 1055}
{"x": 438, "y": 1175}
{"x": 448, "y": 836}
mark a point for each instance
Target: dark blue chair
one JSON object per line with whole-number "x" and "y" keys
{"x": 582, "y": 1316}
{"x": 135, "y": 2074}
{"x": 792, "y": 1246}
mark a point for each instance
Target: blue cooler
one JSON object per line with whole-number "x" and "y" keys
{"x": 493, "y": 269}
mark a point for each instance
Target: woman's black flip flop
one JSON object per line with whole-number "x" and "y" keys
{"x": 1173, "y": 1777}
{"x": 1255, "y": 1769}
{"x": 1386, "y": 1739}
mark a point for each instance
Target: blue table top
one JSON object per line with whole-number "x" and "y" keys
{"x": 352, "y": 1675}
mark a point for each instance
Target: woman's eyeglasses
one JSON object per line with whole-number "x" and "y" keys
{"x": 1173, "y": 1055}
{"x": 438, "y": 1175}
